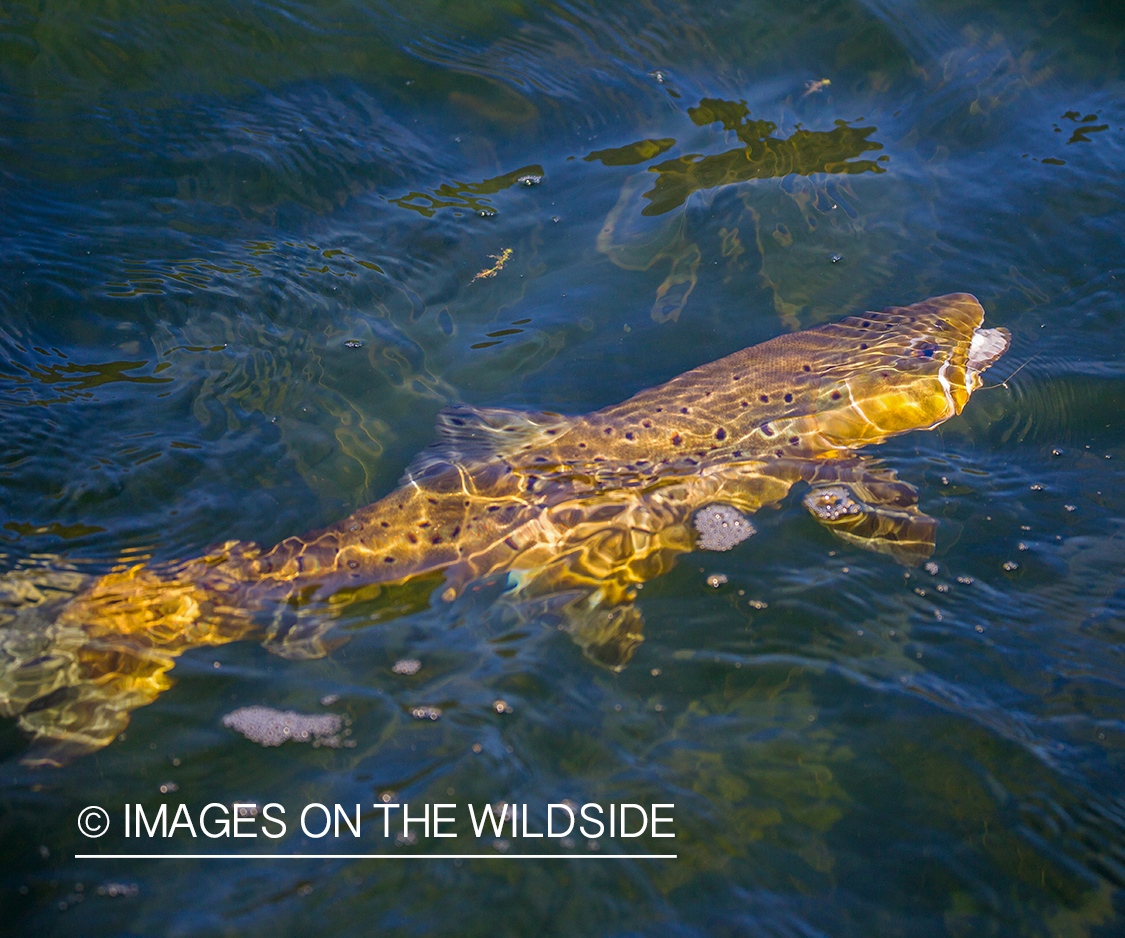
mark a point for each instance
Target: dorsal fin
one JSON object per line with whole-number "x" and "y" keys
{"x": 476, "y": 435}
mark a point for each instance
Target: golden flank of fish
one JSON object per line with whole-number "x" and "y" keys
{"x": 577, "y": 511}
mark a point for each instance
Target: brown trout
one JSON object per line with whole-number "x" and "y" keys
{"x": 577, "y": 511}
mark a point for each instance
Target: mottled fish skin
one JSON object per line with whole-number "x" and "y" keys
{"x": 576, "y": 510}
{"x": 808, "y": 396}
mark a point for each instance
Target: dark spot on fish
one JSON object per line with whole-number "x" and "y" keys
{"x": 737, "y": 378}
{"x": 388, "y": 560}
{"x": 883, "y": 374}
{"x": 835, "y": 395}
{"x": 690, "y": 461}
{"x": 647, "y": 424}
{"x": 552, "y": 432}
{"x": 683, "y": 410}
{"x": 744, "y": 403}
{"x": 410, "y": 537}
{"x": 436, "y": 539}
{"x": 629, "y": 436}
{"x": 581, "y": 445}
{"x": 864, "y": 325}
{"x": 540, "y": 458}
{"x": 423, "y": 524}
{"x": 493, "y": 507}
{"x": 778, "y": 452}
{"x": 788, "y": 398}
{"x": 807, "y": 367}
{"x": 432, "y": 501}
{"x": 720, "y": 434}
{"x": 737, "y": 454}
{"x": 659, "y": 409}
{"x": 385, "y": 524}
{"x": 457, "y": 421}
{"x": 767, "y": 429}
{"x": 677, "y": 439}
{"x": 455, "y": 531}
{"x": 794, "y": 440}
{"x": 765, "y": 398}
{"x": 863, "y": 346}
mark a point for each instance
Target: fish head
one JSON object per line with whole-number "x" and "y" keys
{"x": 901, "y": 369}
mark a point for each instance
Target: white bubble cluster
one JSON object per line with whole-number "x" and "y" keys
{"x": 721, "y": 527}
{"x": 407, "y": 666}
{"x": 271, "y": 727}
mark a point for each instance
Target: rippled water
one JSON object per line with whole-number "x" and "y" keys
{"x": 239, "y": 281}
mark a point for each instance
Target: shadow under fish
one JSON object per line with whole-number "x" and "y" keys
{"x": 576, "y": 510}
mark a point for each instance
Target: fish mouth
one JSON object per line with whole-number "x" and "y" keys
{"x": 986, "y": 346}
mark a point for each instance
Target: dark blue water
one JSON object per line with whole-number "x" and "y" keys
{"x": 237, "y": 285}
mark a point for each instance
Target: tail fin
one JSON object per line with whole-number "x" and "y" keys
{"x": 78, "y": 654}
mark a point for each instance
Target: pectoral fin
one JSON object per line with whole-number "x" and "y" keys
{"x": 879, "y": 514}
{"x": 606, "y": 633}
{"x": 298, "y": 638}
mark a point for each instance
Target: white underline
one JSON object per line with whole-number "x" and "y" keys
{"x": 376, "y": 856}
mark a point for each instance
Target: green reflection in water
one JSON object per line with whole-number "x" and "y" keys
{"x": 625, "y": 241}
{"x": 468, "y": 195}
{"x": 54, "y": 529}
{"x": 632, "y": 155}
{"x": 72, "y": 381}
{"x": 258, "y": 258}
{"x": 803, "y": 153}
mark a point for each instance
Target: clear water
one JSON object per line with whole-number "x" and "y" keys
{"x": 207, "y": 206}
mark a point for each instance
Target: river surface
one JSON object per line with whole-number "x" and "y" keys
{"x": 238, "y": 281}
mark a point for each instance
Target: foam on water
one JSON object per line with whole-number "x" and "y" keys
{"x": 271, "y": 727}
{"x": 721, "y": 527}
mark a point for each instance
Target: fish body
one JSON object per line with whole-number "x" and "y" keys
{"x": 576, "y": 510}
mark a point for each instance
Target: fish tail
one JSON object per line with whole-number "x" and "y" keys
{"x": 76, "y": 661}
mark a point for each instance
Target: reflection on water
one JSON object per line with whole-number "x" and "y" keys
{"x": 633, "y": 154}
{"x": 803, "y": 153}
{"x": 70, "y": 381}
{"x": 236, "y": 287}
{"x": 191, "y": 274}
{"x": 469, "y": 195}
